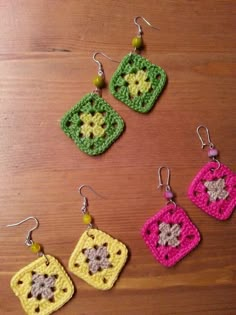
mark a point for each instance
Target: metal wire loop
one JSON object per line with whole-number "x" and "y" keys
{"x": 140, "y": 32}
{"x": 100, "y": 67}
{"x": 203, "y": 143}
{"x": 160, "y": 184}
{"x": 171, "y": 201}
{"x": 28, "y": 240}
{"x": 85, "y": 199}
{"x": 218, "y": 162}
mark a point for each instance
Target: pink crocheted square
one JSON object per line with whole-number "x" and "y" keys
{"x": 214, "y": 190}
{"x": 170, "y": 235}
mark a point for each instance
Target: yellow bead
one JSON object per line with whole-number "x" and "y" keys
{"x": 87, "y": 218}
{"x": 35, "y": 248}
{"x": 137, "y": 42}
{"x": 99, "y": 81}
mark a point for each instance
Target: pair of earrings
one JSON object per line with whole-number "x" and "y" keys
{"x": 43, "y": 286}
{"x": 170, "y": 235}
{"x": 92, "y": 123}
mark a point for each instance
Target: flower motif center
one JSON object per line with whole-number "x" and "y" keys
{"x": 42, "y": 286}
{"x": 92, "y": 125}
{"x": 169, "y": 234}
{"x": 215, "y": 189}
{"x": 97, "y": 258}
{"x": 137, "y": 83}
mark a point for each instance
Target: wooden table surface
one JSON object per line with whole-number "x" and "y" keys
{"x": 45, "y": 68}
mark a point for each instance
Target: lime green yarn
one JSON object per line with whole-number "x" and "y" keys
{"x": 138, "y": 83}
{"x": 92, "y": 124}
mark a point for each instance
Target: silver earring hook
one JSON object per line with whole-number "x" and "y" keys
{"x": 210, "y": 144}
{"x": 85, "y": 199}
{"x": 100, "y": 67}
{"x": 167, "y": 184}
{"x": 160, "y": 178}
{"x": 139, "y": 26}
{"x": 84, "y": 208}
{"x": 28, "y": 240}
{"x": 89, "y": 187}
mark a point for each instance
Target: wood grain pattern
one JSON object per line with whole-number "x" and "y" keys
{"x": 45, "y": 68}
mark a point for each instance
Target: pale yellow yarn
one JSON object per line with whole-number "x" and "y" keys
{"x": 92, "y": 125}
{"x": 137, "y": 83}
{"x": 21, "y": 284}
{"x": 105, "y": 278}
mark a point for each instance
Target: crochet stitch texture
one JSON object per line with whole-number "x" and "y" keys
{"x": 92, "y": 124}
{"x": 137, "y": 82}
{"x": 170, "y": 235}
{"x": 98, "y": 259}
{"x": 214, "y": 190}
{"x": 41, "y": 288}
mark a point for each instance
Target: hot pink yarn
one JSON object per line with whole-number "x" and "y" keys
{"x": 200, "y": 195}
{"x": 170, "y": 217}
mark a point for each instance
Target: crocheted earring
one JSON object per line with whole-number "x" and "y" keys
{"x": 43, "y": 286}
{"x": 137, "y": 82}
{"x": 97, "y": 258}
{"x": 169, "y": 234}
{"x": 92, "y": 123}
{"x": 214, "y": 188}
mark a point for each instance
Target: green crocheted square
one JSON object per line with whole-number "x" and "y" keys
{"x": 137, "y": 83}
{"x": 92, "y": 124}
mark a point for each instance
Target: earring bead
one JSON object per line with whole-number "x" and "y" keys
{"x": 99, "y": 81}
{"x": 35, "y": 248}
{"x": 137, "y": 42}
{"x": 87, "y": 218}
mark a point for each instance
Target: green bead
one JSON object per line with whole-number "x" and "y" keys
{"x": 99, "y": 81}
{"x": 137, "y": 42}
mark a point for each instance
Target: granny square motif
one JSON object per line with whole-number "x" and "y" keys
{"x": 137, "y": 83}
{"x": 92, "y": 124}
{"x": 42, "y": 288}
{"x": 170, "y": 235}
{"x": 214, "y": 190}
{"x": 98, "y": 259}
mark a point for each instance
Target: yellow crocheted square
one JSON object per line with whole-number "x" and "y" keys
{"x": 42, "y": 288}
{"x": 98, "y": 259}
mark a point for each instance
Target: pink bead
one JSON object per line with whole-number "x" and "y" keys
{"x": 212, "y": 152}
{"x": 168, "y": 194}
